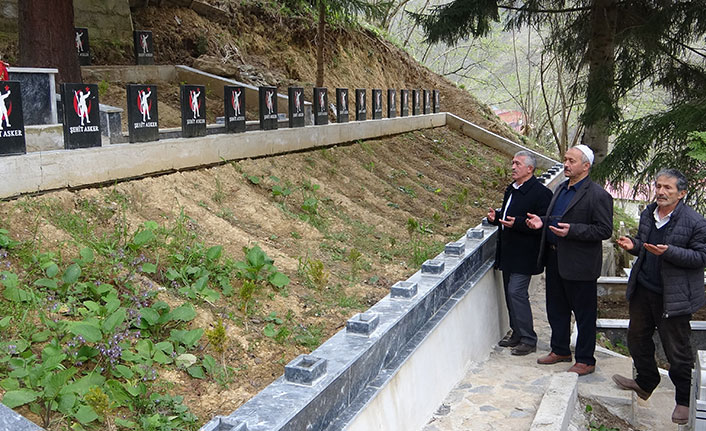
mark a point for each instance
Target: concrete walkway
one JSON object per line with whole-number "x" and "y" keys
{"x": 505, "y": 391}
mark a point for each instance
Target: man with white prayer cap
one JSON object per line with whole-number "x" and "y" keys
{"x": 579, "y": 218}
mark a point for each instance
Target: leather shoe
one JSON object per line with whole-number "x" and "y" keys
{"x": 680, "y": 415}
{"x": 630, "y": 385}
{"x": 582, "y": 369}
{"x": 509, "y": 341}
{"x": 523, "y": 349}
{"x": 553, "y": 358}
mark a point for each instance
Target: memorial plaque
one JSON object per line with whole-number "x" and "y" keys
{"x": 342, "y": 105}
{"x": 391, "y": 103}
{"x": 427, "y": 101}
{"x": 404, "y": 103}
{"x": 360, "y": 109}
{"x": 296, "y": 107}
{"x": 234, "y": 108}
{"x": 320, "y": 106}
{"x": 268, "y": 108}
{"x": 81, "y": 114}
{"x": 377, "y": 104}
{"x": 12, "y": 126}
{"x": 437, "y": 103}
{"x": 144, "y": 46}
{"x": 193, "y": 111}
{"x": 142, "y": 113}
{"x": 83, "y": 47}
{"x": 416, "y": 103}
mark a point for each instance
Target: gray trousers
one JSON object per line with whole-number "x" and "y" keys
{"x": 518, "y": 306}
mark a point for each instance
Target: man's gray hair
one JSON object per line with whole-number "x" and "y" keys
{"x": 530, "y": 160}
{"x": 682, "y": 182}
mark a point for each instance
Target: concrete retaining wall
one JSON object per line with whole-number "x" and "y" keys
{"x": 49, "y": 170}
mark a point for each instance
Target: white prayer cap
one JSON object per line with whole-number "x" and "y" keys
{"x": 587, "y": 151}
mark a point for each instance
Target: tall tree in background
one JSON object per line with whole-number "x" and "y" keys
{"x": 344, "y": 10}
{"x": 47, "y": 38}
{"x": 625, "y": 44}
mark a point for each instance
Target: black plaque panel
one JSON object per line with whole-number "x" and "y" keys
{"x": 144, "y": 46}
{"x": 83, "y": 47}
{"x": 234, "y": 108}
{"x": 342, "y": 105}
{"x": 142, "y": 113}
{"x": 268, "y": 108}
{"x": 193, "y": 111}
{"x": 320, "y": 106}
{"x": 12, "y": 126}
{"x": 296, "y": 106}
{"x": 377, "y": 104}
{"x": 404, "y": 103}
{"x": 391, "y": 103}
{"x": 360, "y": 107}
{"x": 437, "y": 102}
{"x": 427, "y": 101}
{"x": 416, "y": 102}
{"x": 81, "y": 115}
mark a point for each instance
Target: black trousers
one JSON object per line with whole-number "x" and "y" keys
{"x": 518, "y": 306}
{"x": 563, "y": 298}
{"x": 646, "y": 310}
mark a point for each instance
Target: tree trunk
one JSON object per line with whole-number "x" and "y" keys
{"x": 321, "y": 28}
{"x": 600, "y": 104}
{"x": 47, "y": 37}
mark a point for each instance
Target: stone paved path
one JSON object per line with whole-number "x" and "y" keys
{"x": 504, "y": 392}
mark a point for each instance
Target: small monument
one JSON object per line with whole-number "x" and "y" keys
{"x": 268, "y": 108}
{"x": 416, "y": 103}
{"x": 437, "y": 103}
{"x": 391, "y": 103}
{"x": 83, "y": 47}
{"x": 341, "y": 105}
{"x": 144, "y": 47}
{"x": 427, "y": 101}
{"x": 12, "y": 126}
{"x": 81, "y": 116}
{"x": 360, "y": 109}
{"x": 142, "y": 113}
{"x": 193, "y": 111}
{"x": 234, "y": 108}
{"x": 296, "y": 107}
{"x": 404, "y": 103}
{"x": 320, "y": 106}
{"x": 377, "y": 104}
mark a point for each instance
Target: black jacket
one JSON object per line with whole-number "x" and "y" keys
{"x": 518, "y": 247}
{"x": 682, "y": 264}
{"x": 590, "y": 214}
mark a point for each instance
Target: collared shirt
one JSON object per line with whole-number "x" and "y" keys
{"x": 509, "y": 199}
{"x": 660, "y": 222}
{"x": 566, "y": 194}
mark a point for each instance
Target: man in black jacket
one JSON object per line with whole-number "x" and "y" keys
{"x": 518, "y": 248}
{"x": 579, "y": 217}
{"x": 666, "y": 286}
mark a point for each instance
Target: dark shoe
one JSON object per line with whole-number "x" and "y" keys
{"x": 553, "y": 358}
{"x": 509, "y": 341}
{"x": 630, "y": 385}
{"x": 680, "y": 415}
{"x": 523, "y": 349}
{"x": 582, "y": 369}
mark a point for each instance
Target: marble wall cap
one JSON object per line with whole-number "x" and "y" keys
{"x": 475, "y": 233}
{"x": 433, "y": 267}
{"x": 455, "y": 249}
{"x": 403, "y": 289}
{"x": 224, "y": 423}
{"x": 363, "y": 323}
{"x": 305, "y": 369}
